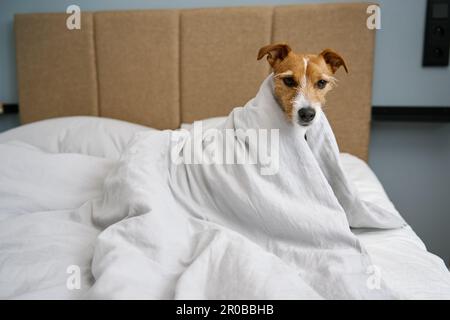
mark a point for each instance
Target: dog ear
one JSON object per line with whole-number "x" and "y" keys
{"x": 274, "y": 52}
{"x": 333, "y": 60}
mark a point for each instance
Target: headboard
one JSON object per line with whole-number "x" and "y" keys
{"x": 163, "y": 67}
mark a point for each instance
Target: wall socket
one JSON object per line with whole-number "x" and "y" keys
{"x": 437, "y": 34}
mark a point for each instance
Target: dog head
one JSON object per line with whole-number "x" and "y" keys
{"x": 301, "y": 81}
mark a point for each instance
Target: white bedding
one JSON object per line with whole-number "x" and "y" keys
{"x": 45, "y": 212}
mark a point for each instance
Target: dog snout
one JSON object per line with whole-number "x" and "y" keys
{"x": 307, "y": 114}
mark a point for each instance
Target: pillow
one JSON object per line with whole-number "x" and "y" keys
{"x": 207, "y": 123}
{"x": 101, "y": 137}
{"x": 366, "y": 182}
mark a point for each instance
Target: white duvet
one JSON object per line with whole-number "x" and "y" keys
{"x": 166, "y": 238}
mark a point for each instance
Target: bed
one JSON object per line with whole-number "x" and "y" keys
{"x": 116, "y": 89}
{"x": 41, "y": 235}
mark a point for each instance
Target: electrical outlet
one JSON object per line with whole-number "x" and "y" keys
{"x": 437, "y": 33}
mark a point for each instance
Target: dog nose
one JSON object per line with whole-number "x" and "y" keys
{"x": 306, "y": 114}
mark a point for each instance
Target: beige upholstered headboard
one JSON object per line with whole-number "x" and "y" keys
{"x": 164, "y": 67}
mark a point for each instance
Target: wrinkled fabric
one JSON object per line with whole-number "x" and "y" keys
{"x": 215, "y": 231}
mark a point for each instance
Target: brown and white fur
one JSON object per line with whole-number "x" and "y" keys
{"x": 301, "y": 81}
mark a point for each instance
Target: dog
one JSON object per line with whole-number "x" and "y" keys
{"x": 301, "y": 81}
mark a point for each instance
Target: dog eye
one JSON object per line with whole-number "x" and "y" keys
{"x": 321, "y": 84}
{"x": 289, "y": 81}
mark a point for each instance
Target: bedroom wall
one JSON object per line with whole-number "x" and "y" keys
{"x": 409, "y": 158}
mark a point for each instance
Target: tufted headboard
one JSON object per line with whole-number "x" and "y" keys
{"x": 163, "y": 67}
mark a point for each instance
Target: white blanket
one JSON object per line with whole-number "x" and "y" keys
{"x": 277, "y": 228}
{"x": 198, "y": 231}
{"x": 45, "y": 220}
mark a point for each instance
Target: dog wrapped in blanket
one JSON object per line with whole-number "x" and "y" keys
{"x": 249, "y": 209}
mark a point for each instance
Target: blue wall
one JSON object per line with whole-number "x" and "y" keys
{"x": 399, "y": 78}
